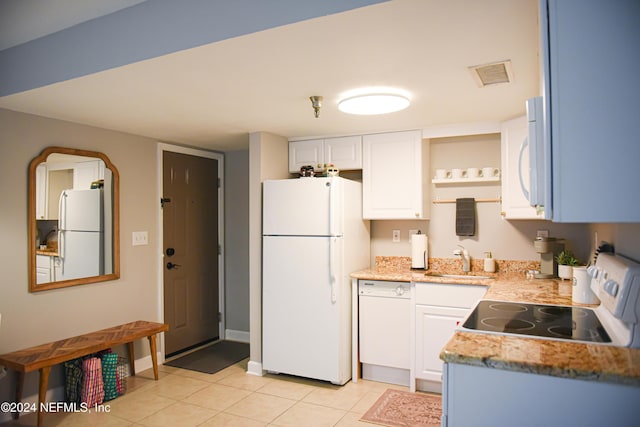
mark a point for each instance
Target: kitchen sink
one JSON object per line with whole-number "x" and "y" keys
{"x": 458, "y": 276}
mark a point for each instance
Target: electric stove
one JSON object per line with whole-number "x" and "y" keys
{"x": 616, "y": 282}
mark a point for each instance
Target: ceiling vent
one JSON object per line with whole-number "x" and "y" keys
{"x": 491, "y": 74}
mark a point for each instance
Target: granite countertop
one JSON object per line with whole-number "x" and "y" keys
{"x": 593, "y": 362}
{"x": 47, "y": 252}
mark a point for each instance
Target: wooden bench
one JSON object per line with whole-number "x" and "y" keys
{"x": 43, "y": 357}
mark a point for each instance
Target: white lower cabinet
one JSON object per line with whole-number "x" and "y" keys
{"x": 439, "y": 309}
{"x": 434, "y": 327}
{"x": 44, "y": 269}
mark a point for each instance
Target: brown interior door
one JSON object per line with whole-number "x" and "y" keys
{"x": 190, "y": 240}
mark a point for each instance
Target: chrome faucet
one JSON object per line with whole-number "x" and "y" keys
{"x": 464, "y": 255}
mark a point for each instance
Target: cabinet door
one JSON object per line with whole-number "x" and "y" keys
{"x": 434, "y": 327}
{"x": 302, "y": 153}
{"x": 393, "y": 172}
{"x": 85, "y": 173}
{"x": 515, "y": 171}
{"x": 592, "y": 68}
{"x": 344, "y": 153}
{"x": 43, "y": 269}
{"x": 41, "y": 192}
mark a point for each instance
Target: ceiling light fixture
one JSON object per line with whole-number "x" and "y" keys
{"x": 374, "y": 102}
{"x": 316, "y": 103}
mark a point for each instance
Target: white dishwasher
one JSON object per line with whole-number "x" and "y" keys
{"x": 384, "y": 319}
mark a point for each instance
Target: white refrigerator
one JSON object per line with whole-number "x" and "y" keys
{"x": 80, "y": 234}
{"x": 313, "y": 238}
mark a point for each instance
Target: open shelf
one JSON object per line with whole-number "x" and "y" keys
{"x": 464, "y": 180}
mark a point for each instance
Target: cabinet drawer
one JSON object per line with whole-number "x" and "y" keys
{"x": 43, "y": 261}
{"x": 449, "y": 295}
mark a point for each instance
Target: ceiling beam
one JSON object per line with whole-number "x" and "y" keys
{"x": 148, "y": 30}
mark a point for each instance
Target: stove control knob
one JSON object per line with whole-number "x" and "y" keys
{"x": 611, "y": 287}
{"x": 592, "y": 271}
{"x": 399, "y": 290}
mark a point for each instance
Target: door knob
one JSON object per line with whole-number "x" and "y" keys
{"x": 171, "y": 266}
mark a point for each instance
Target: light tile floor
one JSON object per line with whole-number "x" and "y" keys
{"x": 230, "y": 397}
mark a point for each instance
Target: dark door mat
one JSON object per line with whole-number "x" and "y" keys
{"x": 213, "y": 358}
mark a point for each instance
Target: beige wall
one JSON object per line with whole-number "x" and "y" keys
{"x": 34, "y": 318}
{"x": 268, "y": 159}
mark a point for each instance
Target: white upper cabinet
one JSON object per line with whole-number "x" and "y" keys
{"x": 303, "y": 153}
{"x": 394, "y": 176}
{"x": 515, "y": 171}
{"x": 85, "y": 173}
{"x": 592, "y": 91}
{"x": 345, "y": 153}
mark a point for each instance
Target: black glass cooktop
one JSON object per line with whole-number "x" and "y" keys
{"x": 548, "y": 321}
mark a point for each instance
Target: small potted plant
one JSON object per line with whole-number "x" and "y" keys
{"x": 566, "y": 260}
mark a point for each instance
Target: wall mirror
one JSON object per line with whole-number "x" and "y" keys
{"x": 74, "y": 224}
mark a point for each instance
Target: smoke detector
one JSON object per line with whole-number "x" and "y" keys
{"x": 494, "y": 73}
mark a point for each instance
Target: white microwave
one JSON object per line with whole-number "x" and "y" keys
{"x": 538, "y": 168}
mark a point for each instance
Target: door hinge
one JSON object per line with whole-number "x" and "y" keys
{"x": 219, "y": 317}
{"x": 164, "y": 200}
{"x": 219, "y": 249}
{"x": 219, "y": 183}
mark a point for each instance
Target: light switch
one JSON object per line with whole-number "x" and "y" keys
{"x": 139, "y": 238}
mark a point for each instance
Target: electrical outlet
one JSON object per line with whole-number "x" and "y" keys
{"x": 396, "y": 236}
{"x": 542, "y": 233}
{"x": 139, "y": 238}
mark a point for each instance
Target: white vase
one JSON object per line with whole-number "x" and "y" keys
{"x": 565, "y": 272}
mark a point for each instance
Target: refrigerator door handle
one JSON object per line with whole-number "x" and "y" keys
{"x": 62, "y": 211}
{"x": 61, "y": 248}
{"x": 332, "y": 273}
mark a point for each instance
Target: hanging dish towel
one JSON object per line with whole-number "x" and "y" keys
{"x": 466, "y": 216}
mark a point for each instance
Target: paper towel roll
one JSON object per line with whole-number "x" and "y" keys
{"x": 419, "y": 254}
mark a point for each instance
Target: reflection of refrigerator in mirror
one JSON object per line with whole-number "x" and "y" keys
{"x": 80, "y": 234}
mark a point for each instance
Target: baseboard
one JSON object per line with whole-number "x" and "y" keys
{"x": 429, "y": 386}
{"x": 254, "y": 368}
{"x": 385, "y": 374}
{"x": 146, "y": 362}
{"x": 233, "y": 335}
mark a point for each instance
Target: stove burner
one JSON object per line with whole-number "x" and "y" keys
{"x": 562, "y": 311}
{"x": 510, "y": 307}
{"x": 585, "y": 334}
{"x": 561, "y": 331}
{"x": 507, "y": 324}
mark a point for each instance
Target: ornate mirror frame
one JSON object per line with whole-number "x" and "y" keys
{"x": 32, "y": 224}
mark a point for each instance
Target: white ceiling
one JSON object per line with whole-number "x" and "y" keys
{"x": 214, "y": 95}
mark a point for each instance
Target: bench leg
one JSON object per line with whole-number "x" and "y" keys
{"x": 19, "y": 387}
{"x": 42, "y": 392}
{"x": 154, "y": 357}
{"x": 132, "y": 359}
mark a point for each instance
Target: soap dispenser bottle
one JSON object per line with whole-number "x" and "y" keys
{"x": 489, "y": 263}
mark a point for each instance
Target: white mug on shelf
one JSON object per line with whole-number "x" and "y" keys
{"x": 473, "y": 172}
{"x": 458, "y": 173}
{"x": 442, "y": 174}
{"x": 489, "y": 172}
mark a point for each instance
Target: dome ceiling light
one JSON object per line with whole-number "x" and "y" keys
{"x": 374, "y": 101}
